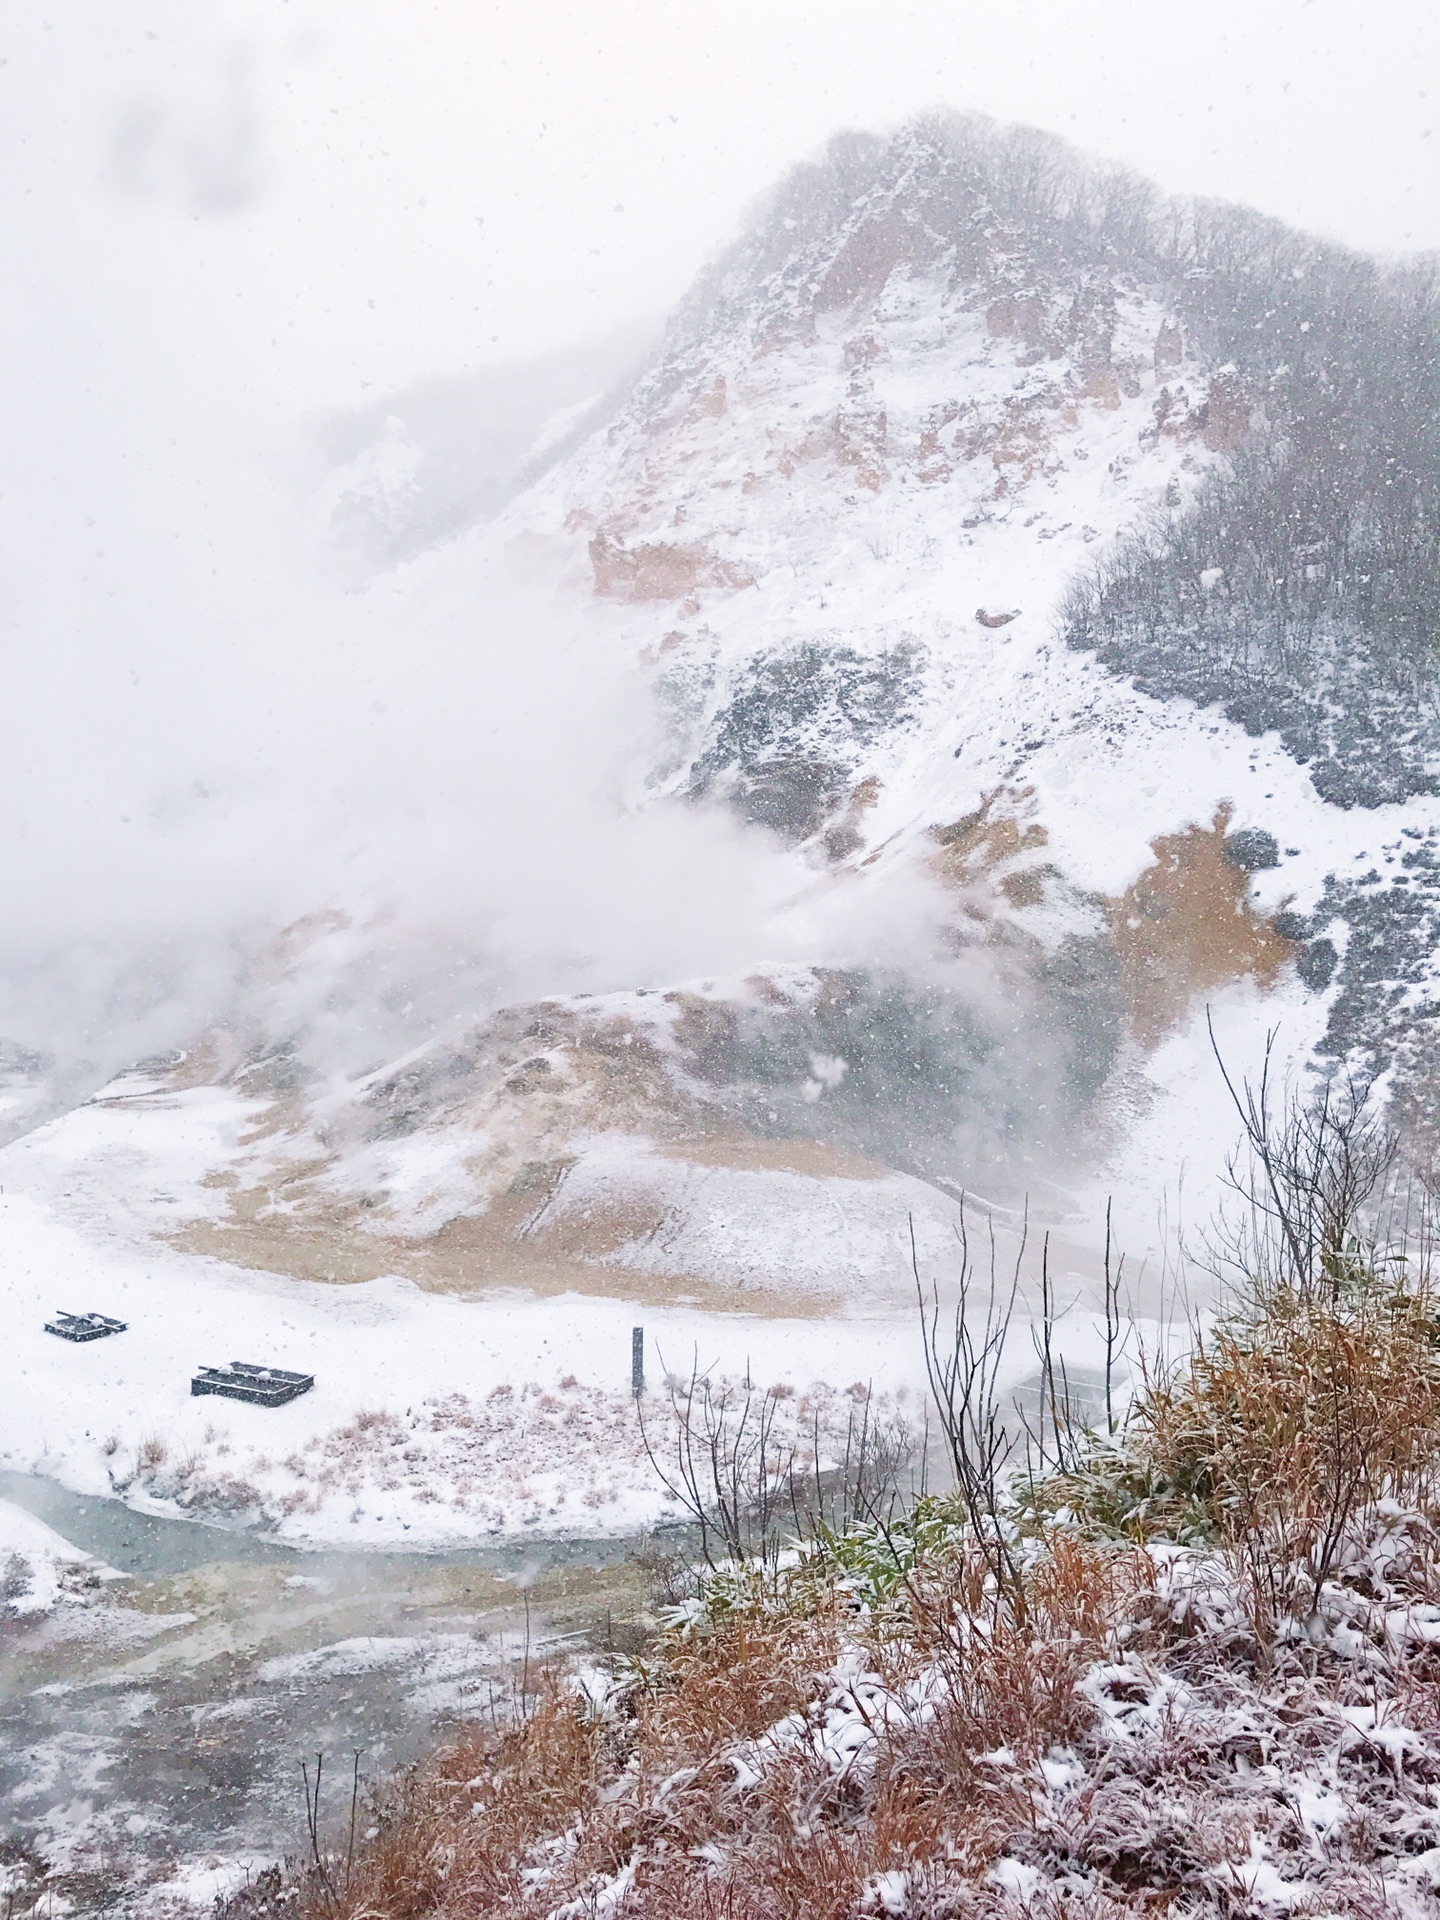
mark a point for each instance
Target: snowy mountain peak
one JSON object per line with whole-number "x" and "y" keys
{"x": 913, "y": 530}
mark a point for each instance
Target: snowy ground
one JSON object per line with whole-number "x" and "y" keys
{"x": 38, "y": 1569}
{"x": 434, "y": 1421}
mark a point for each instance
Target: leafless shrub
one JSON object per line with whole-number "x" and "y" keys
{"x": 726, "y": 1459}
{"x": 1039, "y": 1433}
{"x": 872, "y": 1474}
{"x": 329, "y": 1868}
{"x": 1317, "y": 1210}
{"x": 1061, "y": 1429}
{"x": 744, "y": 1466}
{"x": 964, "y": 1369}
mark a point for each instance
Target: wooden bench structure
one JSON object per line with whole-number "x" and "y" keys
{"x": 84, "y": 1326}
{"x": 239, "y": 1380}
{"x": 261, "y": 1386}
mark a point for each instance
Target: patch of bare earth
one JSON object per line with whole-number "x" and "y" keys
{"x": 994, "y": 848}
{"x": 1187, "y": 927}
{"x": 486, "y": 1252}
{"x": 1183, "y": 929}
{"x": 659, "y": 569}
{"x": 292, "y": 1215}
{"x": 300, "y": 1225}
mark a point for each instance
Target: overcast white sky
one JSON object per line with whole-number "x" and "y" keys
{"x": 364, "y": 190}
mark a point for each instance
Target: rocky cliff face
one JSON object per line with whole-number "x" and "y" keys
{"x": 870, "y": 529}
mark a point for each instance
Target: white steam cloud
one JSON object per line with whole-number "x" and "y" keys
{"x": 207, "y": 736}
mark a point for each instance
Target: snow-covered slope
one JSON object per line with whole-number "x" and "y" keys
{"x": 832, "y": 531}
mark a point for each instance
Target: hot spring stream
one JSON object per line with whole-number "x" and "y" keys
{"x": 165, "y": 1719}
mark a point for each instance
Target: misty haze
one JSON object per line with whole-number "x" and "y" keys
{"x": 719, "y": 1011}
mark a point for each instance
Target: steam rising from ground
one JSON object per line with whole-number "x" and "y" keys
{"x": 213, "y": 734}
{"x": 208, "y": 734}
{"x": 438, "y": 766}
{"x": 432, "y": 773}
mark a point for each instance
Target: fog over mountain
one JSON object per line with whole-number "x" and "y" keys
{"x": 254, "y": 679}
{"x": 775, "y": 679}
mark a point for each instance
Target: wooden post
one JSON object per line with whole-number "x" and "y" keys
{"x": 637, "y": 1361}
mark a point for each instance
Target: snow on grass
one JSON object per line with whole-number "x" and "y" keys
{"x": 433, "y": 1421}
{"x": 1105, "y": 1751}
{"x": 562, "y": 1460}
{"x": 198, "y": 1885}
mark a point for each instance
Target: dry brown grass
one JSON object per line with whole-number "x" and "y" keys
{"x": 958, "y": 1789}
{"x": 782, "y": 1870}
{"x": 730, "y": 1685}
{"x": 462, "y": 1830}
{"x": 788, "y": 1834}
{"x": 806, "y": 1840}
{"x": 1290, "y": 1423}
{"x": 459, "y": 1830}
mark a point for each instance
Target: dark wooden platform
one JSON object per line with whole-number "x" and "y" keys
{"x": 260, "y": 1386}
{"x": 84, "y": 1326}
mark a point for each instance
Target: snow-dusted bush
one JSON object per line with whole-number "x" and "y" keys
{"x": 1204, "y": 1680}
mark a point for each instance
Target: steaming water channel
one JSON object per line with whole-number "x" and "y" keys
{"x": 165, "y": 1719}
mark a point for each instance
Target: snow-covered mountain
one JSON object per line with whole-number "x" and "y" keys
{"x": 865, "y": 528}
